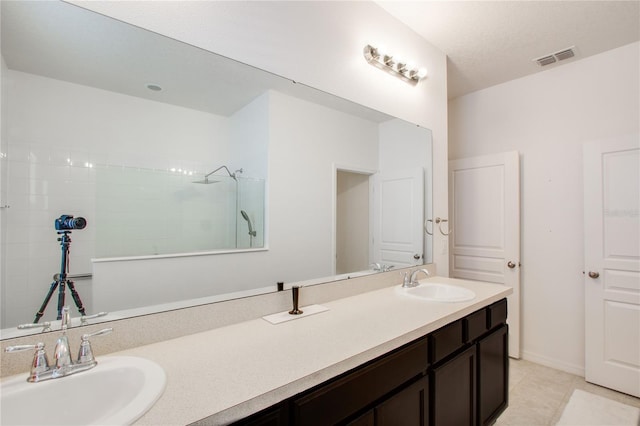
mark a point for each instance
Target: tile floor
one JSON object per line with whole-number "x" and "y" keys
{"x": 538, "y": 394}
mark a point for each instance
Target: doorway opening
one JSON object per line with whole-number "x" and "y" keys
{"x": 352, "y": 221}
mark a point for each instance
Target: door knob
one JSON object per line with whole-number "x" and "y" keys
{"x": 511, "y": 265}
{"x": 416, "y": 256}
{"x": 594, "y": 275}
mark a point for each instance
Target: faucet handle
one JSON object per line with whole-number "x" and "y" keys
{"x": 84, "y": 319}
{"x": 65, "y": 317}
{"x": 85, "y": 354}
{"x": 46, "y": 326}
{"x": 40, "y": 362}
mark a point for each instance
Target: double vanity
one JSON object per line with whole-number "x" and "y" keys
{"x": 366, "y": 360}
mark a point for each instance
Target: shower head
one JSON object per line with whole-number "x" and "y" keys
{"x": 206, "y": 181}
{"x": 252, "y": 232}
{"x": 206, "y": 177}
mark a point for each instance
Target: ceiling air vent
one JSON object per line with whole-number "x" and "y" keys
{"x": 545, "y": 60}
{"x": 564, "y": 54}
{"x": 557, "y": 56}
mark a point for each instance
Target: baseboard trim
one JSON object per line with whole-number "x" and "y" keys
{"x": 578, "y": 370}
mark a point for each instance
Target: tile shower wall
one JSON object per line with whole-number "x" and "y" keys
{"x": 59, "y": 136}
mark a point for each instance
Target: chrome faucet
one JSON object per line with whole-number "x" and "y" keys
{"x": 63, "y": 365}
{"x": 410, "y": 280}
{"x": 62, "y": 356}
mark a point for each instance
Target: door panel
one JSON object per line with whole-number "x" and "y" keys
{"x": 398, "y": 212}
{"x": 485, "y": 212}
{"x": 612, "y": 263}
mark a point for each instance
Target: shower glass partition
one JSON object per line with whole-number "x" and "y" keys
{"x": 142, "y": 212}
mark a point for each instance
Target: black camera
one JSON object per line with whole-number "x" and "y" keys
{"x": 67, "y": 222}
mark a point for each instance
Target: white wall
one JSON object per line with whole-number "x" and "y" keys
{"x": 306, "y": 140}
{"x": 3, "y": 175}
{"x": 249, "y": 146}
{"x": 547, "y": 117}
{"x": 249, "y": 152}
{"x": 320, "y": 44}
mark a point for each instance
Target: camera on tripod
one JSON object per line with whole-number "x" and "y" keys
{"x": 64, "y": 224}
{"x": 67, "y": 222}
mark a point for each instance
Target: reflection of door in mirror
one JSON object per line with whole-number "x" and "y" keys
{"x": 352, "y": 221}
{"x": 398, "y": 206}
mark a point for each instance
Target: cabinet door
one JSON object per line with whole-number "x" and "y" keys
{"x": 367, "y": 419}
{"x": 493, "y": 375}
{"x": 453, "y": 391}
{"x": 409, "y": 407}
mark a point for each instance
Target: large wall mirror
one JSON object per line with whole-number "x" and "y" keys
{"x": 200, "y": 178}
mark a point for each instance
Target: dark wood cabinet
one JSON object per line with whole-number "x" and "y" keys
{"x": 493, "y": 375}
{"x": 453, "y": 390}
{"x": 366, "y": 419}
{"x": 456, "y": 375}
{"x": 407, "y": 407}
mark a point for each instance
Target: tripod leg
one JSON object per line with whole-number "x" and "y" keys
{"x": 61, "y": 290}
{"x": 40, "y": 312}
{"x": 76, "y": 297}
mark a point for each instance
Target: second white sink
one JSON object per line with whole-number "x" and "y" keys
{"x": 117, "y": 391}
{"x": 439, "y": 292}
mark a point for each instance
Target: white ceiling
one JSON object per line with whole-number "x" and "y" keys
{"x": 491, "y": 42}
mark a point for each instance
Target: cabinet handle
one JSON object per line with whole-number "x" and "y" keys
{"x": 511, "y": 265}
{"x": 594, "y": 275}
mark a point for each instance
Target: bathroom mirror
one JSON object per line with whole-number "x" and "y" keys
{"x": 119, "y": 125}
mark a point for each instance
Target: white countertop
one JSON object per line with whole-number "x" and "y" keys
{"x": 233, "y": 371}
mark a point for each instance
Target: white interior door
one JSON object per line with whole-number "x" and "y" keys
{"x": 485, "y": 218}
{"x": 397, "y": 215}
{"x": 612, "y": 263}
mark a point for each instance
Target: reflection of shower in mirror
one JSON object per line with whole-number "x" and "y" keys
{"x": 252, "y": 232}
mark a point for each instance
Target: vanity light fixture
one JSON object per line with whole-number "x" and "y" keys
{"x": 397, "y": 66}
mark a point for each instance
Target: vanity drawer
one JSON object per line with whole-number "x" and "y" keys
{"x": 445, "y": 341}
{"x": 475, "y": 325}
{"x": 333, "y": 402}
{"x": 497, "y": 314}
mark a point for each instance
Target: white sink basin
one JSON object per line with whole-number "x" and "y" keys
{"x": 439, "y": 292}
{"x": 118, "y": 391}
